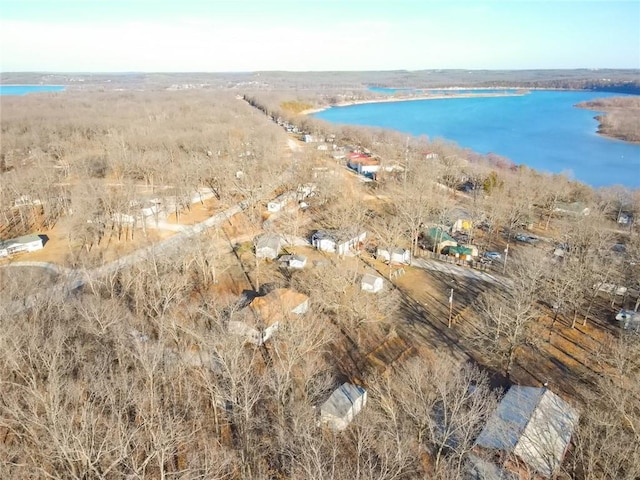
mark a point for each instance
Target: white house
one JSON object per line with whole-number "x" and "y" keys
{"x": 396, "y": 255}
{"x": 305, "y": 190}
{"x": 575, "y": 208}
{"x": 533, "y": 425}
{"x": 625, "y": 218}
{"x": 26, "y": 201}
{"x": 279, "y": 202}
{"x": 371, "y": 283}
{"x": 294, "y": 261}
{"x": 26, "y": 243}
{"x": 340, "y": 242}
{"x": 268, "y": 246}
{"x": 343, "y": 405}
{"x": 363, "y": 164}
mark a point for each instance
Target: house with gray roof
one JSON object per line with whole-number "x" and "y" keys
{"x": 341, "y": 242}
{"x": 532, "y": 427}
{"x": 371, "y": 283}
{"x": 343, "y": 405}
{"x": 394, "y": 255}
{"x": 268, "y": 246}
{"x": 26, "y": 243}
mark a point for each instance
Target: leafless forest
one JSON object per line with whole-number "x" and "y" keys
{"x": 117, "y": 359}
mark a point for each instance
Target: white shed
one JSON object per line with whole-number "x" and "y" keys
{"x": 397, "y": 255}
{"x": 294, "y": 261}
{"x": 371, "y": 283}
{"x": 343, "y": 405}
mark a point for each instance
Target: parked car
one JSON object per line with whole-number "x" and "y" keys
{"x": 493, "y": 255}
{"x": 521, "y": 237}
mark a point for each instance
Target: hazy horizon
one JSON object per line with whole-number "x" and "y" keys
{"x": 284, "y": 35}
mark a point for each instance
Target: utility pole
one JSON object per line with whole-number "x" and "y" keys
{"x": 506, "y": 254}
{"x": 450, "y": 306}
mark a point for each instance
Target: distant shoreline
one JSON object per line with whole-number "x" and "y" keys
{"x": 311, "y": 111}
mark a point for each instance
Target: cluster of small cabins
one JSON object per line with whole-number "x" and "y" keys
{"x": 527, "y": 436}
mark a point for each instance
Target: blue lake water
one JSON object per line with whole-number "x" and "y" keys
{"x": 25, "y": 89}
{"x": 542, "y": 130}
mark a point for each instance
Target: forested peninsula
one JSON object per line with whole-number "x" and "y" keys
{"x": 621, "y": 118}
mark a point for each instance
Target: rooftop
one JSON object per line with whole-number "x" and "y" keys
{"x": 277, "y": 304}
{"x": 20, "y": 240}
{"x": 342, "y": 399}
{"x": 533, "y": 423}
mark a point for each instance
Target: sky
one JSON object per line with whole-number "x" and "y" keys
{"x": 316, "y": 35}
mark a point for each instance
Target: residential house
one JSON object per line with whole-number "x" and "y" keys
{"x": 25, "y": 243}
{"x": 280, "y": 202}
{"x": 306, "y": 138}
{"x": 268, "y": 246}
{"x": 628, "y": 320}
{"x": 343, "y": 405}
{"x": 305, "y": 190}
{"x": 293, "y": 261}
{"x": 531, "y": 430}
{"x": 575, "y": 208}
{"x": 341, "y": 242}
{"x": 371, "y": 283}
{"x": 438, "y": 238}
{"x": 625, "y": 218}
{"x": 269, "y": 312}
{"x": 26, "y": 201}
{"x": 395, "y": 255}
{"x": 461, "y": 221}
{"x": 364, "y": 164}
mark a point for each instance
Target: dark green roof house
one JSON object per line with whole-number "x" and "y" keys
{"x": 438, "y": 238}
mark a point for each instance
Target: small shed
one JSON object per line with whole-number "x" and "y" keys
{"x": 268, "y": 246}
{"x": 343, "y": 405}
{"x": 294, "y": 261}
{"x": 531, "y": 425}
{"x": 371, "y": 283}
{"x": 396, "y": 255}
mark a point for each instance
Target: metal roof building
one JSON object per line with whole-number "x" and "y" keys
{"x": 533, "y": 424}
